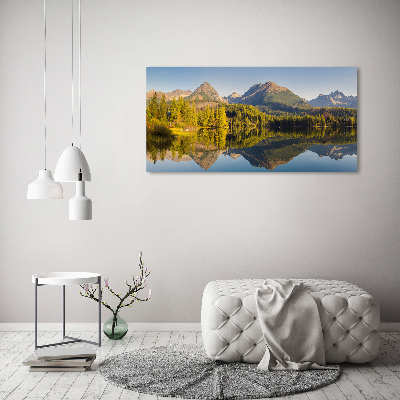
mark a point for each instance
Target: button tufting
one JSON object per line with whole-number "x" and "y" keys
{"x": 329, "y": 295}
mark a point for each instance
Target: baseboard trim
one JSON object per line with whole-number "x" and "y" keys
{"x": 138, "y": 327}
{"x": 390, "y": 327}
{"x": 92, "y": 327}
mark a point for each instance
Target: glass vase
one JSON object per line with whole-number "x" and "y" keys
{"x": 115, "y": 327}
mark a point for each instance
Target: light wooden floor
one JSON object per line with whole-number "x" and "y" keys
{"x": 379, "y": 379}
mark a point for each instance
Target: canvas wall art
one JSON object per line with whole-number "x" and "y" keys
{"x": 251, "y": 119}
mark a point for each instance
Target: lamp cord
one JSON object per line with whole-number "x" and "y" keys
{"x": 79, "y": 88}
{"x": 72, "y": 68}
{"x": 44, "y": 84}
{"x": 79, "y": 85}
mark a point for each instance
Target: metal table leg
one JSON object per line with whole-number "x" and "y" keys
{"x": 36, "y": 286}
{"x": 100, "y": 297}
{"x": 73, "y": 339}
{"x": 63, "y": 311}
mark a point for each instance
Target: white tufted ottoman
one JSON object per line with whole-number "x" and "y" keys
{"x": 231, "y": 330}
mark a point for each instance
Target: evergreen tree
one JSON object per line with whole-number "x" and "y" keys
{"x": 186, "y": 116}
{"x": 206, "y": 116}
{"x": 211, "y": 117}
{"x": 180, "y": 106}
{"x": 193, "y": 115}
{"x": 163, "y": 110}
{"x": 221, "y": 118}
{"x": 174, "y": 110}
{"x": 153, "y": 108}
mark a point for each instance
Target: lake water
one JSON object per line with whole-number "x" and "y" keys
{"x": 255, "y": 152}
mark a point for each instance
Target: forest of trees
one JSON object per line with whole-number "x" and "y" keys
{"x": 241, "y": 116}
{"x": 301, "y": 111}
{"x": 291, "y": 122}
{"x": 181, "y": 113}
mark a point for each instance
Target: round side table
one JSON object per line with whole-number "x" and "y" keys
{"x": 62, "y": 279}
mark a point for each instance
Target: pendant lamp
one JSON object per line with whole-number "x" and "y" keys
{"x": 72, "y": 165}
{"x": 44, "y": 186}
{"x": 80, "y": 206}
{"x": 72, "y": 162}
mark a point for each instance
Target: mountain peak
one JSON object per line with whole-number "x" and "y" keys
{"x": 334, "y": 99}
{"x": 206, "y": 92}
{"x": 232, "y": 98}
{"x": 234, "y": 95}
{"x": 337, "y": 94}
{"x": 270, "y": 94}
{"x": 168, "y": 95}
{"x": 205, "y": 86}
{"x": 273, "y": 87}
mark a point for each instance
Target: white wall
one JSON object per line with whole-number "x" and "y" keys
{"x": 192, "y": 228}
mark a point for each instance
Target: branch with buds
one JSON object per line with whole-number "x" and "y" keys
{"x": 139, "y": 283}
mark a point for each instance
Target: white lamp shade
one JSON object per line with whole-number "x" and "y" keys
{"x": 44, "y": 187}
{"x": 71, "y": 161}
{"x": 80, "y": 206}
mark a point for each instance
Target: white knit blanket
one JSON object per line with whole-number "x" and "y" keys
{"x": 291, "y": 327}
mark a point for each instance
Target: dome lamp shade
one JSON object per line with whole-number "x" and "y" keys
{"x": 69, "y": 165}
{"x": 44, "y": 187}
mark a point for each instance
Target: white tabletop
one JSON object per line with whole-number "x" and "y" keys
{"x": 65, "y": 278}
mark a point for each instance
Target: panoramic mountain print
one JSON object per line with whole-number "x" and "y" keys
{"x": 251, "y": 119}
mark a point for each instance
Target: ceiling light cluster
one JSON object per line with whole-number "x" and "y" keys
{"x": 72, "y": 165}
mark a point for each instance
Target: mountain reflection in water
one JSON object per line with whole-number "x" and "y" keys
{"x": 213, "y": 150}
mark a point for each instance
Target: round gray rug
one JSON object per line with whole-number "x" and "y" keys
{"x": 185, "y": 371}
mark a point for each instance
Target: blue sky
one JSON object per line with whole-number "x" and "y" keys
{"x": 307, "y": 82}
